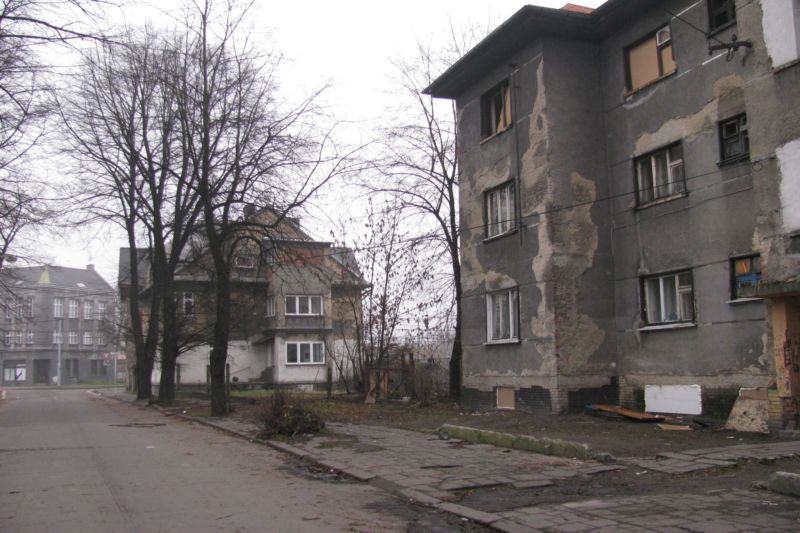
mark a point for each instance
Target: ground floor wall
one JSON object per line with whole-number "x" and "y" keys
{"x": 41, "y": 367}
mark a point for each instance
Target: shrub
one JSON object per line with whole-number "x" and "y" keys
{"x": 281, "y": 414}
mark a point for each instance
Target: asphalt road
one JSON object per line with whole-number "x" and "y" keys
{"x": 70, "y": 461}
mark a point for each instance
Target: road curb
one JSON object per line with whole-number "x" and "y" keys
{"x": 543, "y": 445}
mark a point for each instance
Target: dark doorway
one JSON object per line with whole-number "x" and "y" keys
{"x": 41, "y": 370}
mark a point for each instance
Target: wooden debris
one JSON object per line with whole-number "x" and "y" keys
{"x": 674, "y": 427}
{"x": 627, "y": 413}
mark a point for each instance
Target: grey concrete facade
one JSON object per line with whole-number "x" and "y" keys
{"x": 586, "y": 244}
{"x": 31, "y": 320}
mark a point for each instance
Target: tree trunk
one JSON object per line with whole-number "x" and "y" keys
{"x": 219, "y": 349}
{"x": 169, "y": 342}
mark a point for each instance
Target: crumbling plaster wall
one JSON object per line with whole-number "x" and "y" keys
{"x": 699, "y": 231}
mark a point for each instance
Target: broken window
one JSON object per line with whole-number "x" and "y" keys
{"x": 305, "y": 353}
{"x": 650, "y": 59}
{"x": 669, "y": 298}
{"x": 721, "y": 13}
{"x": 660, "y": 174}
{"x": 499, "y": 210}
{"x": 502, "y": 315}
{"x": 303, "y": 305}
{"x": 734, "y": 140}
{"x": 745, "y": 272}
{"x": 496, "y": 110}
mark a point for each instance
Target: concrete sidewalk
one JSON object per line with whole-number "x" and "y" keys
{"x": 431, "y": 471}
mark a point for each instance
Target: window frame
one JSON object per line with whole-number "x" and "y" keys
{"x": 755, "y": 277}
{"x": 88, "y": 305}
{"x": 296, "y": 298}
{"x": 87, "y": 335}
{"x": 188, "y": 303}
{"x": 730, "y": 7}
{"x": 660, "y": 46}
{"x": 511, "y": 207}
{"x": 102, "y": 308}
{"x": 494, "y": 121}
{"x": 100, "y": 338}
{"x": 270, "y": 306}
{"x": 72, "y": 338}
{"x": 512, "y": 307}
{"x": 311, "y": 353}
{"x": 19, "y": 338}
{"x": 29, "y": 337}
{"x": 645, "y": 296}
{"x": 73, "y": 309}
{"x": 58, "y": 307}
{"x": 678, "y": 186}
{"x": 245, "y": 261}
{"x": 742, "y": 135}
{"x": 58, "y": 337}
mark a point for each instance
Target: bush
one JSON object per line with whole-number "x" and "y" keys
{"x": 281, "y": 414}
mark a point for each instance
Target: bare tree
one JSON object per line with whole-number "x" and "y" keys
{"x": 246, "y": 148}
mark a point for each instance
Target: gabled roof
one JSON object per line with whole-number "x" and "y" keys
{"x": 51, "y": 276}
{"x": 525, "y": 26}
{"x": 124, "y": 270}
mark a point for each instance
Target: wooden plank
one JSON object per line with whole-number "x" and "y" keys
{"x": 627, "y": 413}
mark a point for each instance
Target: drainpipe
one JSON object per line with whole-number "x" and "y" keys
{"x": 517, "y": 189}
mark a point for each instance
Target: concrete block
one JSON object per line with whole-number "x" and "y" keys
{"x": 785, "y": 483}
{"x": 469, "y": 513}
{"x": 543, "y": 445}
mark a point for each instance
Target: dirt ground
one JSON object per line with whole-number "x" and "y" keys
{"x": 618, "y": 437}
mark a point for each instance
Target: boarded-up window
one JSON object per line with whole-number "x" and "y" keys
{"x": 505, "y": 398}
{"x": 650, "y": 59}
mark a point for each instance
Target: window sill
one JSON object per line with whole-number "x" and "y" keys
{"x": 630, "y": 93}
{"x": 787, "y": 65}
{"x": 733, "y": 160}
{"x": 501, "y": 341}
{"x": 305, "y": 364}
{"x": 500, "y": 236}
{"x": 664, "y": 327}
{"x": 739, "y": 301}
{"x": 716, "y": 31}
{"x": 496, "y": 134}
{"x": 305, "y": 315}
{"x": 662, "y": 200}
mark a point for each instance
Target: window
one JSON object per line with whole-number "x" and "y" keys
{"x": 668, "y": 298}
{"x": 660, "y": 174}
{"x": 88, "y": 309}
{"x": 649, "y": 59}
{"x": 305, "y": 353}
{"x": 9, "y": 309}
{"x": 101, "y": 311}
{"x": 247, "y": 261}
{"x": 304, "y": 305}
{"x": 721, "y": 13}
{"x": 187, "y": 304}
{"x": 19, "y": 338}
{"x": 270, "y": 306}
{"x": 100, "y": 337}
{"x": 14, "y": 372}
{"x": 733, "y": 138}
{"x": 7, "y": 338}
{"x": 73, "y": 309}
{"x": 499, "y": 210}
{"x": 72, "y": 337}
{"x": 87, "y": 338}
{"x": 496, "y": 110}
{"x": 57, "y": 337}
{"x": 58, "y": 307}
{"x": 28, "y": 307}
{"x": 745, "y": 272}
{"x": 71, "y": 368}
{"x": 30, "y": 337}
{"x": 270, "y": 257}
{"x": 502, "y": 314}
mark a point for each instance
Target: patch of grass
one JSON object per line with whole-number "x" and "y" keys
{"x": 256, "y": 393}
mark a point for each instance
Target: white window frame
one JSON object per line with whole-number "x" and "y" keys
{"x": 245, "y": 261}
{"x": 19, "y": 337}
{"x": 681, "y": 284}
{"x": 101, "y": 310}
{"x": 270, "y": 306}
{"x": 58, "y": 307}
{"x": 87, "y": 338}
{"x": 14, "y": 372}
{"x": 58, "y": 337}
{"x": 73, "y": 308}
{"x": 647, "y": 193}
{"x": 72, "y": 338}
{"x": 502, "y": 316}
{"x": 500, "y": 210}
{"x": 298, "y": 299}
{"x": 88, "y": 309}
{"x": 315, "y": 348}
{"x": 29, "y": 338}
{"x": 100, "y": 338}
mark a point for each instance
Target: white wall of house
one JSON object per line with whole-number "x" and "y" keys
{"x": 246, "y": 361}
{"x": 297, "y": 373}
{"x": 781, "y": 20}
{"x": 789, "y": 162}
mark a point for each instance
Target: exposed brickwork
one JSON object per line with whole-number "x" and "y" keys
{"x": 579, "y": 398}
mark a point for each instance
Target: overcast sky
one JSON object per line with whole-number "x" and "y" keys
{"x": 349, "y": 43}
